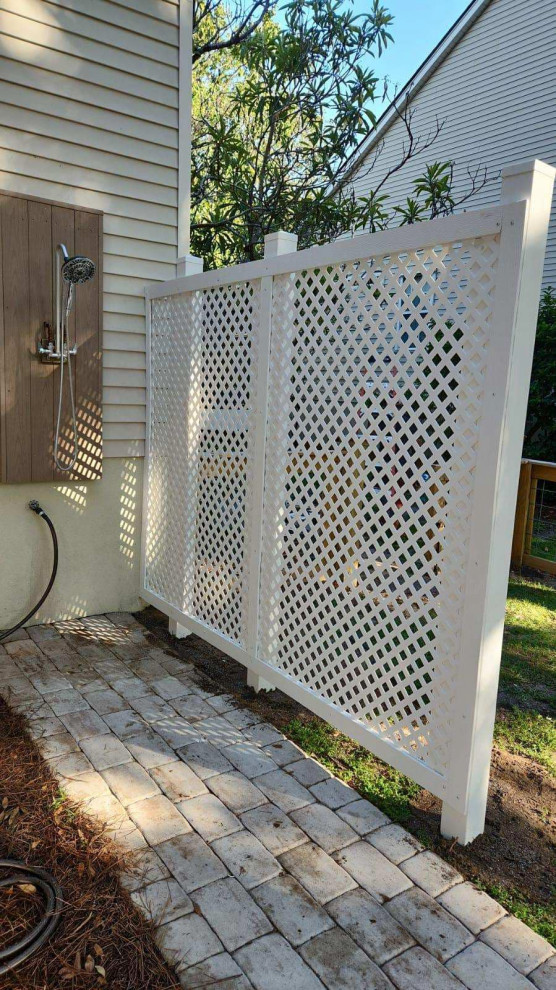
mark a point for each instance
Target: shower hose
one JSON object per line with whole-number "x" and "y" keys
{"x": 35, "y": 507}
{"x": 18, "y": 952}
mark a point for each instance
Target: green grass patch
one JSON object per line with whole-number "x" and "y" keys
{"x": 528, "y": 733}
{"x": 388, "y": 789}
{"x": 529, "y": 655}
{"x": 540, "y": 917}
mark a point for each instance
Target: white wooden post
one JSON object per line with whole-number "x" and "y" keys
{"x": 522, "y": 248}
{"x": 277, "y": 243}
{"x": 188, "y": 265}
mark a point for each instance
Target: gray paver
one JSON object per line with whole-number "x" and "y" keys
{"x": 58, "y": 745}
{"x": 105, "y": 751}
{"x": 144, "y": 868}
{"x": 237, "y": 792}
{"x": 204, "y": 759}
{"x": 168, "y": 687}
{"x": 545, "y": 976}
{"x": 273, "y": 828}
{"x": 372, "y": 870}
{"x": 218, "y": 731}
{"x": 126, "y": 723}
{"x": 242, "y": 718}
{"x": 284, "y": 790}
{"x": 130, "y": 783}
{"x": 162, "y": 901}
{"x": 430, "y": 924}
{"x": 479, "y": 967}
{"x": 475, "y": 909}
{"x": 370, "y": 925}
{"x": 317, "y": 871}
{"x": 334, "y": 793}
{"x": 70, "y": 765}
{"x": 158, "y": 819}
{"x": 191, "y": 861}
{"x": 417, "y": 968}
{"x": 106, "y": 702}
{"x": 395, "y": 843}
{"x": 340, "y": 963}
{"x": 177, "y": 731}
{"x": 218, "y": 971}
{"x": 307, "y": 772}
{"x": 324, "y": 827}
{"x": 517, "y": 943}
{"x": 46, "y": 683}
{"x": 248, "y": 759}
{"x": 271, "y": 964}
{"x": 231, "y": 913}
{"x": 187, "y": 940}
{"x": 247, "y": 858}
{"x": 284, "y": 752}
{"x": 84, "y": 724}
{"x": 66, "y": 702}
{"x": 149, "y": 749}
{"x": 86, "y": 786}
{"x": 178, "y": 781}
{"x": 131, "y": 688}
{"x": 431, "y": 873}
{"x": 209, "y": 817}
{"x": 363, "y": 816}
{"x": 222, "y": 703}
{"x": 41, "y": 728}
{"x": 191, "y": 707}
{"x": 152, "y": 708}
{"x": 263, "y": 734}
{"x": 292, "y": 910}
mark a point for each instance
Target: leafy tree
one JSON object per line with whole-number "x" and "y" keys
{"x": 540, "y": 433}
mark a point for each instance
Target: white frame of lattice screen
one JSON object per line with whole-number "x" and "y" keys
{"x": 522, "y": 222}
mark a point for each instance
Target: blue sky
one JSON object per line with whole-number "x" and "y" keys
{"x": 418, "y": 26}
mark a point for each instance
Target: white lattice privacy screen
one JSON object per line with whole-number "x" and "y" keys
{"x": 328, "y": 435}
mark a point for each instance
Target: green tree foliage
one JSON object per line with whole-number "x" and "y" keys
{"x": 540, "y": 433}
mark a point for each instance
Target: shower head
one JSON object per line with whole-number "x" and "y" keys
{"x": 78, "y": 269}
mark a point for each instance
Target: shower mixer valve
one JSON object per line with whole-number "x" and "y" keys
{"x": 46, "y": 348}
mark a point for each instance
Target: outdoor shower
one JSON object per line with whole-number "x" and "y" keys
{"x": 69, "y": 272}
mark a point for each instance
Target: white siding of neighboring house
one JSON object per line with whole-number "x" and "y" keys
{"x": 496, "y": 92}
{"x": 88, "y": 117}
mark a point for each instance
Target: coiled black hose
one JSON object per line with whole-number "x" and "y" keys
{"x": 35, "y": 507}
{"x": 18, "y": 952}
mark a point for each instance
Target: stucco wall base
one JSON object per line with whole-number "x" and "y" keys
{"x": 99, "y": 531}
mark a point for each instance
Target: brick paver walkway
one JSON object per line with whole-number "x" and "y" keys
{"x": 259, "y": 868}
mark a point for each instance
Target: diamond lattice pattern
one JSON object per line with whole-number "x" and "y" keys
{"x": 203, "y": 356}
{"x": 375, "y": 392}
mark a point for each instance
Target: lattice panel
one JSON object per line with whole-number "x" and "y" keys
{"x": 375, "y": 394}
{"x": 203, "y": 356}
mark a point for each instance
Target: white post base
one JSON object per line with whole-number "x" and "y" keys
{"x": 258, "y": 683}
{"x": 180, "y": 632}
{"x": 464, "y": 828}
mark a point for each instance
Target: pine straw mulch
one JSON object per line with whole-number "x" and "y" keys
{"x": 102, "y": 942}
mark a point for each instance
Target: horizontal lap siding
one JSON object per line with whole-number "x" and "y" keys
{"x": 496, "y": 94}
{"x": 89, "y": 114}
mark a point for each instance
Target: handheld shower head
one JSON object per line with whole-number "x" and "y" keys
{"x": 78, "y": 269}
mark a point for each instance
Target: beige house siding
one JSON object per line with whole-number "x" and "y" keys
{"x": 496, "y": 94}
{"x": 89, "y": 117}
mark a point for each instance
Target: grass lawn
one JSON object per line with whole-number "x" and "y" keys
{"x": 525, "y": 727}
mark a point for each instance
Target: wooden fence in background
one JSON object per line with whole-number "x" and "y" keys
{"x": 534, "y": 539}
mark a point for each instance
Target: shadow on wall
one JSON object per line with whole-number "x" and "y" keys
{"x": 99, "y": 532}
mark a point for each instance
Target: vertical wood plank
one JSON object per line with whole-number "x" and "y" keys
{"x": 41, "y": 310}
{"x": 18, "y": 343}
{"x": 88, "y": 364}
{"x": 522, "y": 507}
{"x": 530, "y": 518}
{"x": 63, "y": 232}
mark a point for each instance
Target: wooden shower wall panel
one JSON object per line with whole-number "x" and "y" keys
{"x": 30, "y": 229}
